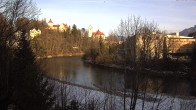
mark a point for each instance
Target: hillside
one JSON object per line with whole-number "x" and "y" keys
{"x": 187, "y": 31}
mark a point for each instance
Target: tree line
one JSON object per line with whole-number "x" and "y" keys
{"x": 142, "y": 43}
{"x": 52, "y": 42}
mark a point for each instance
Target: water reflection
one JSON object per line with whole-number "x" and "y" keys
{"x": 73, "y": 70}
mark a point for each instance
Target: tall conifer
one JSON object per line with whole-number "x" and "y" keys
{"x": 31, "y": 91}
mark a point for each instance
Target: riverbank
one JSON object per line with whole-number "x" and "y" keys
{"x": 146, "y": 71}
{"x": 116, "y": 92}
{"x": 115, "y": 101}
{"x": 61, "y": 55}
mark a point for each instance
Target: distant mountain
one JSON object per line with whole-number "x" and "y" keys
{"x": 188, "y": 31}
{"x": 193, "y": 34}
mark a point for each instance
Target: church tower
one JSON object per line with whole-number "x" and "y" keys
{"x": 50, "y": 23}
{"x": 90, "y": 31}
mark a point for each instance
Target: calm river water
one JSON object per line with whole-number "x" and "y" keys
{"x": 73, "y": 70}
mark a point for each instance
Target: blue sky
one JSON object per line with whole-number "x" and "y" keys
{"x": 170, "y": 15}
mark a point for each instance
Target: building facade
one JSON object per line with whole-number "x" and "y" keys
{"x": 59, "y": 27}
{"x": 180, "y": 45}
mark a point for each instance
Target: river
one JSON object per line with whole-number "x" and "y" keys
{"x": 74, "y": 70}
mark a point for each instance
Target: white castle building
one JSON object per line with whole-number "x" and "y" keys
{"x": 60, "y": 27}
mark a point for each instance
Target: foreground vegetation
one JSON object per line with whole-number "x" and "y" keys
{"x": 79, "y": 98}
{"x": 22, "y": 85}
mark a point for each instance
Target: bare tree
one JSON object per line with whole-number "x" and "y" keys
{"x": 130, "y": 28}
{"x": 147, "y": 42}
{"x": 139, "y": 47}
{"x": 142, "y": 41}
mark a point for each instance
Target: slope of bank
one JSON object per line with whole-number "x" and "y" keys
{"x": 102, "y": 100}
{"x": 147, "y": 71}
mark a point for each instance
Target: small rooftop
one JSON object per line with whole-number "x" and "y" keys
{"x": 50, "y": 21}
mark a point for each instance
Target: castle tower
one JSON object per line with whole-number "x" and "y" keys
{"x": 50, "y": 23}
{"x": 90, "y": 31}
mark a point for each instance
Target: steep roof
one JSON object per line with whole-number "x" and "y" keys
{"x": 65, "y": 25}
{"x": 50, "y": 21}
{"x": 98, "y": 32}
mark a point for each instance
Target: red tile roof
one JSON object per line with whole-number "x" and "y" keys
{"x": 65, "y": 25}
{"x": 50, "y": 21}
{"x": 98, "y": 33}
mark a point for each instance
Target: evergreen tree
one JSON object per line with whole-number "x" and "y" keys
{"x": 74, "y": 33}
{"x": 31, "y": 91}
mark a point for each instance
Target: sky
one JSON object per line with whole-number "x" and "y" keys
{"x": 105, "y": 15}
